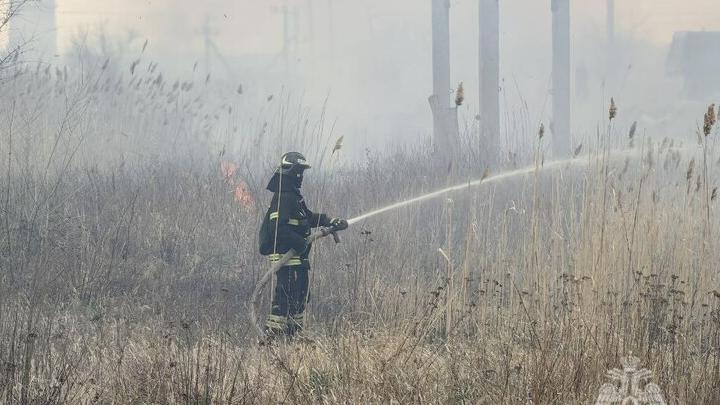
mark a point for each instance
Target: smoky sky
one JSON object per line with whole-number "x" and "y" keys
{"x": 371, "y": 58}
{"x": 259, "y": 22}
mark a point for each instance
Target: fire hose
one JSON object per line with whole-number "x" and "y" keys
{"x": 320, "y": 233}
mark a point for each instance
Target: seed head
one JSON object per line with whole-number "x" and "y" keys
{"x": 577, "y": 150}
{"x": 633, "y": 128}
{"x": 710, "y": 119}
{"x": 613, "y": 108}
{"x": 690, "y": 169}
{"x": 541, "y": 131}
{"x": 459, "y": 95}
{"x": 338, "y": 145}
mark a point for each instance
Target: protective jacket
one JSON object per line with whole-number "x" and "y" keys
{"x": 288, "y": 222}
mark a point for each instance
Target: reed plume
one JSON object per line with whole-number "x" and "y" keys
{"x": 459, "y": 95}
{"x": 633, "y": 128}
{"x": 613, "y": 109}
{"x": 710, "y": 120}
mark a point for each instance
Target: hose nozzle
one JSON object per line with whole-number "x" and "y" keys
{"x": 332, "y": 230}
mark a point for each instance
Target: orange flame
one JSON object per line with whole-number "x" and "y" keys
{"x": 241, "y": 192}
{"x": 243, "y": 196}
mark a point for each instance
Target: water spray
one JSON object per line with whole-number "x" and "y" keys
{"x": 474, "y": 183}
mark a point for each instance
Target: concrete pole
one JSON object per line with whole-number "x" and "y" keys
{"x": 561, "y": 77}
{"x": 489, "y": 20}
{"x": 441, "y": 51}
{"x": 440, "y": 100}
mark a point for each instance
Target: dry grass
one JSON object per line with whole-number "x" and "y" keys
{"x": 127, "y": 263}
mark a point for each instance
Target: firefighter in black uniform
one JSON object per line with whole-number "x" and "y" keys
{"x": 286, "y": 226}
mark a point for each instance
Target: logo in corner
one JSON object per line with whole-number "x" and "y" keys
{"x": 630, "y": 386}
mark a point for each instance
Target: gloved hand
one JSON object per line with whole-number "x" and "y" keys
{"x": 339, "y": 224}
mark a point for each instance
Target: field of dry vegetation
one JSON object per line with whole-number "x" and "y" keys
{"x": 127, "y": 258}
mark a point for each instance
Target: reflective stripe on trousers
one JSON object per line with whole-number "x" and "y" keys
{"x": 294, "y": 261}
{"x": 276, "y": 322}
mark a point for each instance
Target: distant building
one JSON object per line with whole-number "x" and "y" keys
{"x": 34, "y": 28}
{"x": 695, "y": 56}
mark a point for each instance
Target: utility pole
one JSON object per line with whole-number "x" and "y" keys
{"x": 441, "y": 51}
{"x": 561, "y": 77}
{"x": 489, "y": 21}
{"x": 440, "y": 99}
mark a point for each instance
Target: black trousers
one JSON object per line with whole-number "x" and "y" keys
{"x": 289, "y": 298}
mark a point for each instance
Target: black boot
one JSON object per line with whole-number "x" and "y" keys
{"x": 276, "y": 327}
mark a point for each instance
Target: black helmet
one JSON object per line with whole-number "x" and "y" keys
{"x": 293, "y": 163}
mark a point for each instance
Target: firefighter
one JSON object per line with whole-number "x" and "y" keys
{"x": 286, "y": 226}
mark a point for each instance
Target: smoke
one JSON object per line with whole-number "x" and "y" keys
{"x": 371, "y": 60}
